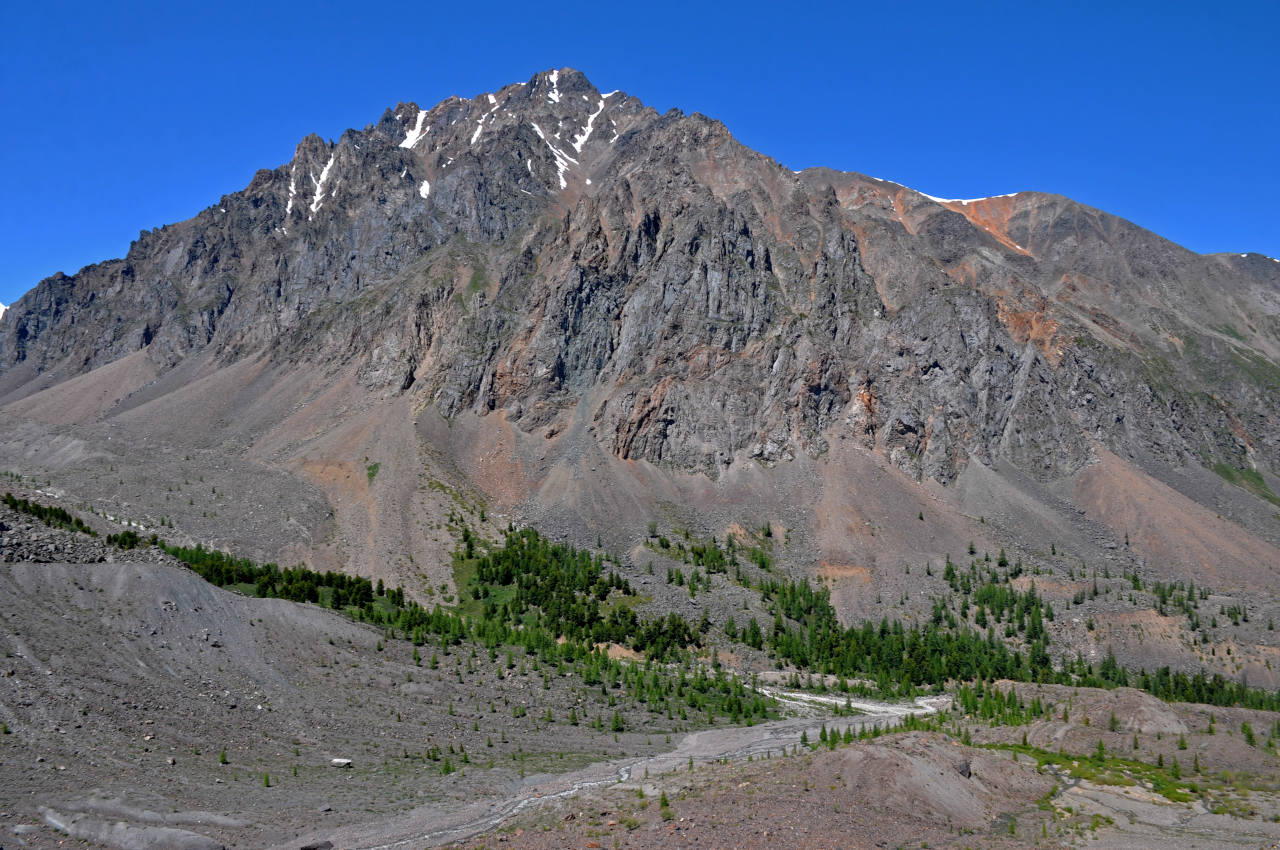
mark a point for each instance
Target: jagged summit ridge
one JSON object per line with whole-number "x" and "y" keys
{"x": 558, "y": 121}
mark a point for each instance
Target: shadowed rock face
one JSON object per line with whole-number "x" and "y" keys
{"x": 550, "y": 251}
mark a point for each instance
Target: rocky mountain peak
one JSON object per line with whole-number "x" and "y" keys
{"x": 547, "y": 246}
{"x": 557, "y": 125}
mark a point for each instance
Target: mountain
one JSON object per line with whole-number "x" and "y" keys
{"x": 574, "y": 311}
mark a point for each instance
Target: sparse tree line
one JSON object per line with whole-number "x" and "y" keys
{"x": 50, "y": 515}
{"x": 710, "y": 556}
{"x": 531, "y": 583}
{"x": 512, "y": 583}
{"x": 298, "y": 584}
{"x": 807, "y": 633}
{"x": 562, "y": 606}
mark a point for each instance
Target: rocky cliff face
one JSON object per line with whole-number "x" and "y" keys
{"x": 550, "y": 252}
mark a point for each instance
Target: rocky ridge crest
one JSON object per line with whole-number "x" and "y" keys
{"x": 559, "y": 255}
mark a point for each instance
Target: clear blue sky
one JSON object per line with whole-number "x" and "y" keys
{"x": 119, "y": 117}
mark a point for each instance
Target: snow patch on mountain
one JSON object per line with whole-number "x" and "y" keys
{"x": 563, "y": 160}
{"x": 319, "y": 184}
{"x": 581, "y": 139}
{"x": 488, "y": 115}
{"x": 966, "y": 200}
{"x": 938, "y": 200}
{"x": 417, "y": 132}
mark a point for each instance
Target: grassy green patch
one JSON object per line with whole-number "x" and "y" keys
{"x": 1113, "y": 770}
{"x": 1257, "y": 368}
{"x": 372, "y": 470}
{"x": 471, "y": 605}
{"x": 470, "y": 504}
{"x": 1247, "y": 479}
{"x": 478, "y": 282}
{"x": 554, "y": 762}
